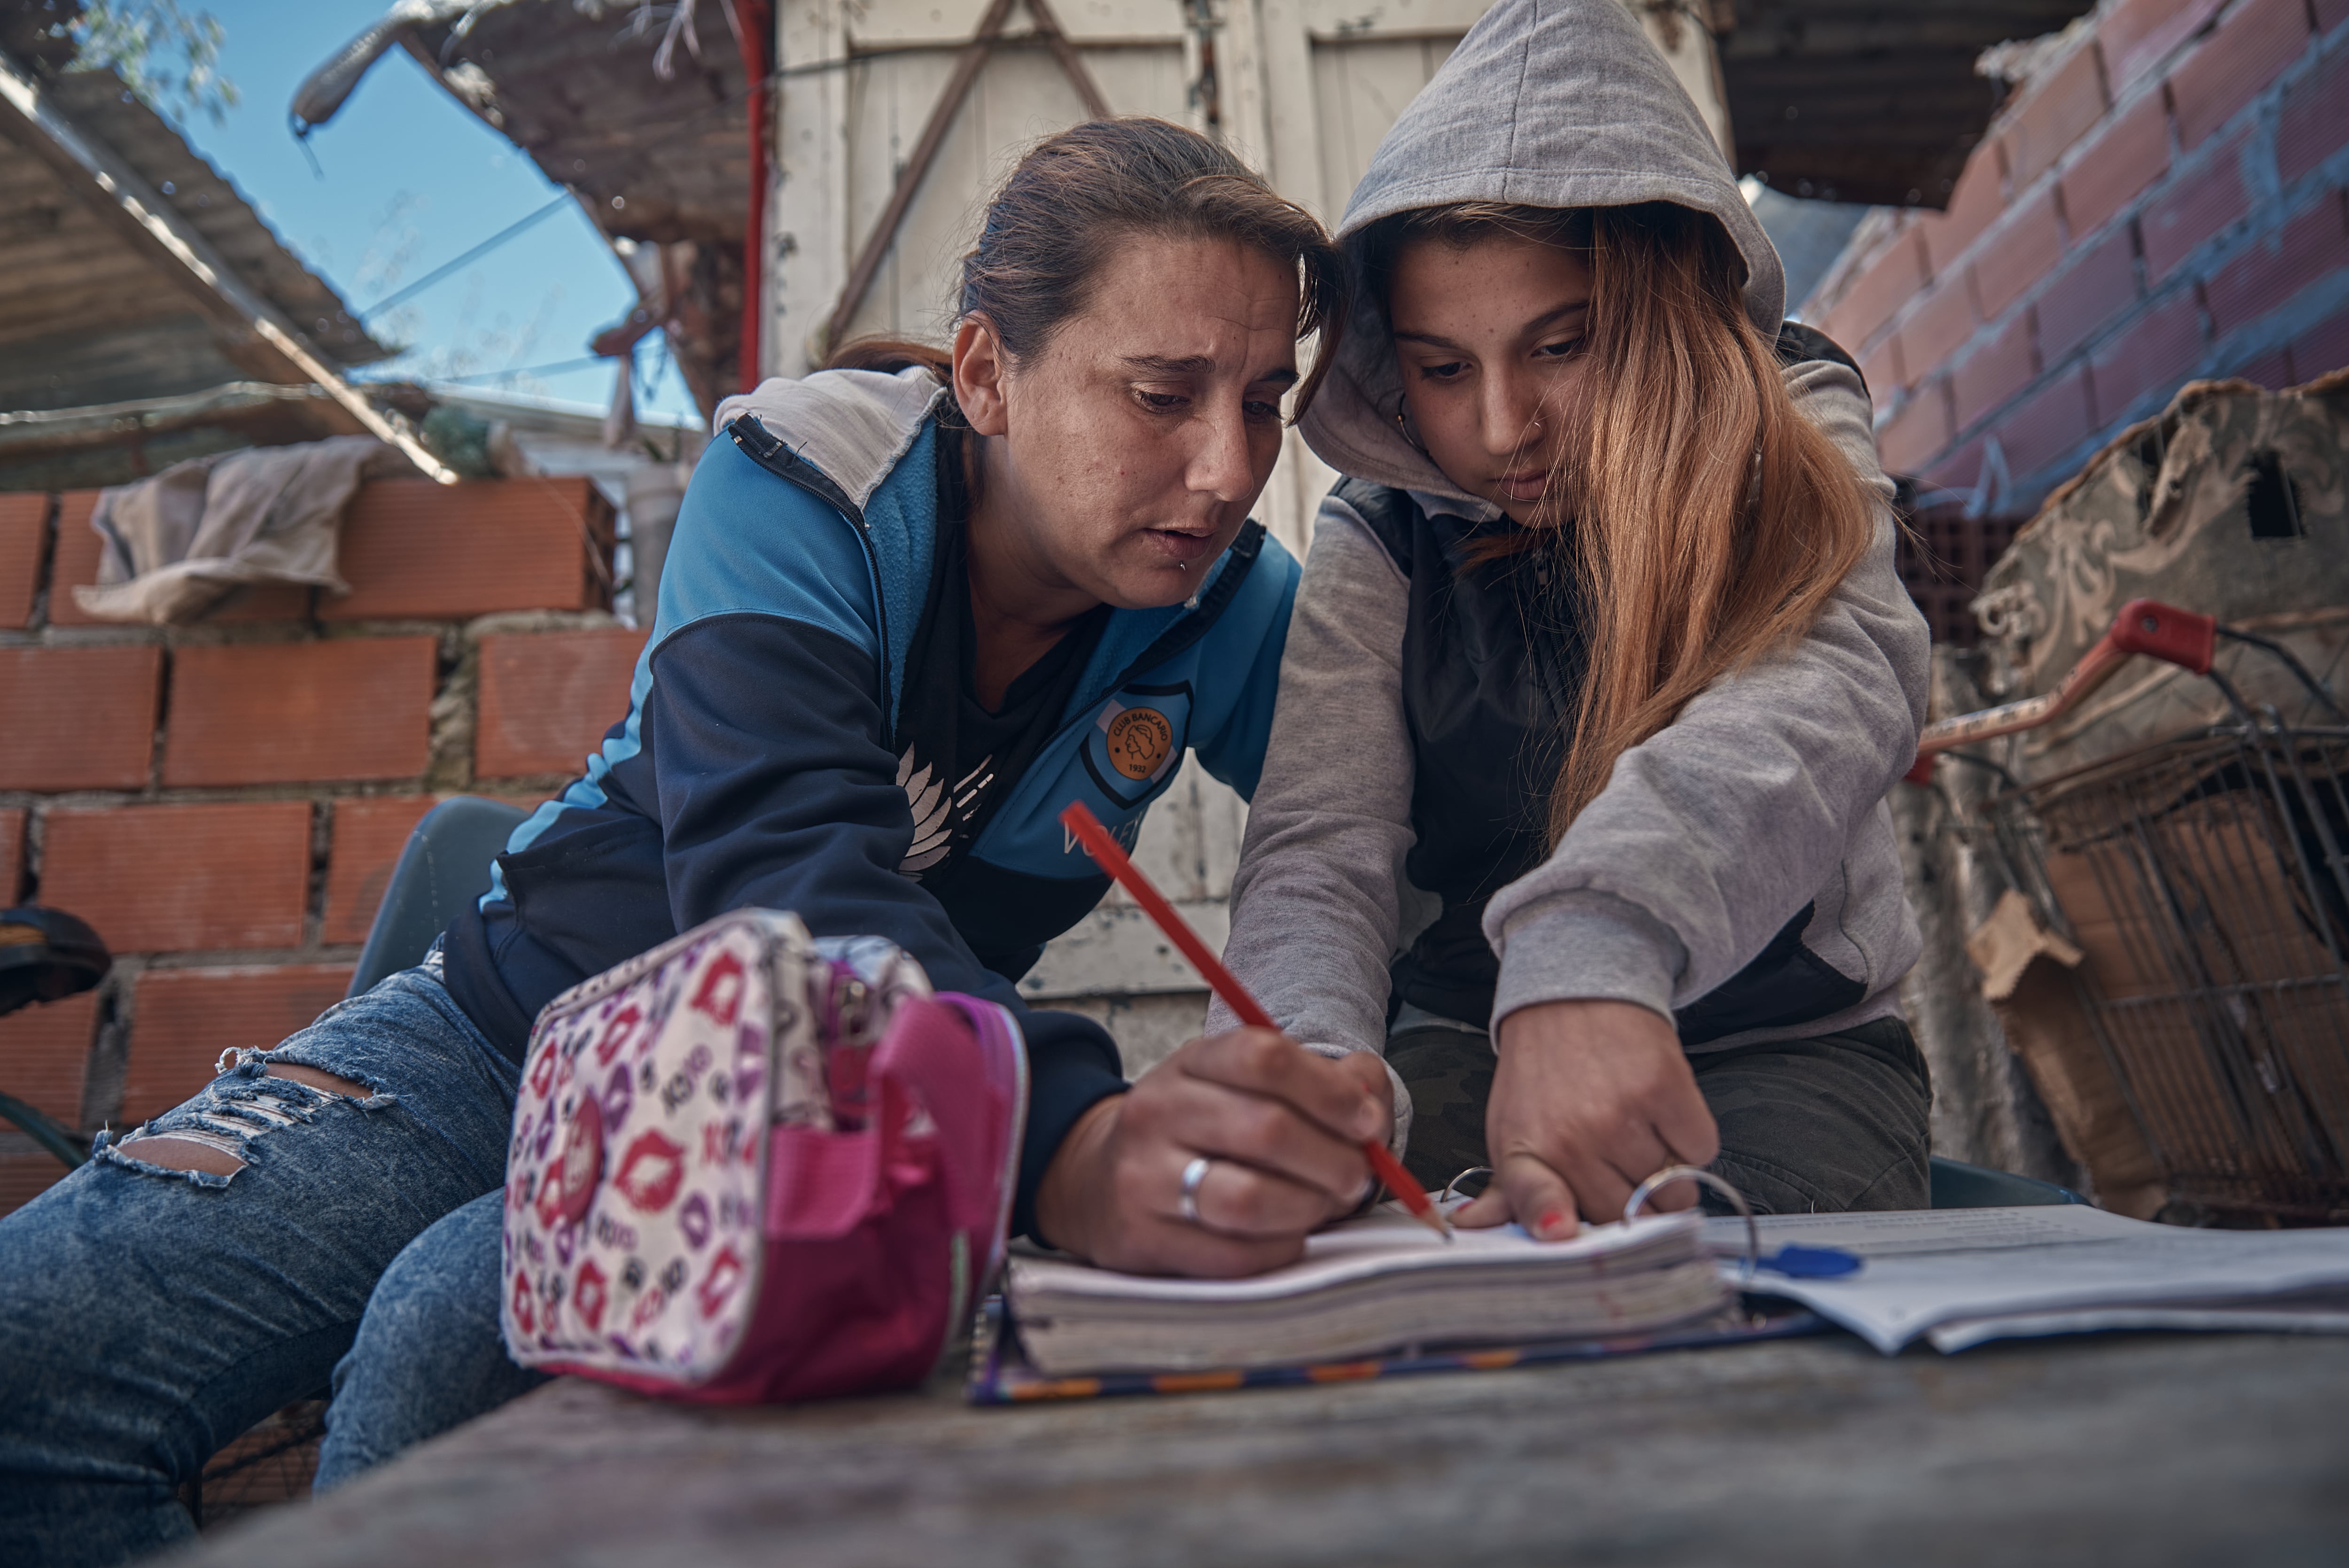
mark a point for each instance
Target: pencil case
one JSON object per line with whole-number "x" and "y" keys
{"x": 747, "y": 1166}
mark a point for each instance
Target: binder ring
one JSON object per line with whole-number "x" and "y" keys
{"x": 1672, "y": 1173}
{"x": 1445, "y": 1196}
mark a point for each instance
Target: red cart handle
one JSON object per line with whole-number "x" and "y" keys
{"x": 2143, "y": 626}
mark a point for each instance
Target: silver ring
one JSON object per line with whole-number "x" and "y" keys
{"x": 1672, "y": 1173}
{"x": 1193, "y": 1174}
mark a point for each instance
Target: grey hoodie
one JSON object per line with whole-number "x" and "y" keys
{"x": 1767, "y": 792}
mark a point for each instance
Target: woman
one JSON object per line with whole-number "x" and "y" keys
{"x": 905, "y": 618}
{"x": 1599, "y": 649}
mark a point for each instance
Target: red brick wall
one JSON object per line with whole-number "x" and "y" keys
{"x": 224, "y": 802}
{"x": 2163, "y": 202}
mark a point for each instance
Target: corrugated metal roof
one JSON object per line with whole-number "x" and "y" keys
{"x": 85, "y": 318}
{"x": 1868, "y": 100}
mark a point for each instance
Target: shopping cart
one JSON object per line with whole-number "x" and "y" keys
{"x": 2204, "y": 880}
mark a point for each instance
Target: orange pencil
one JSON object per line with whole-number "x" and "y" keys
{"x": 1104, "y": 849}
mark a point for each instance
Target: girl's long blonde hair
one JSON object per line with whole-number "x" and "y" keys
{"x": 1705, "y": 522}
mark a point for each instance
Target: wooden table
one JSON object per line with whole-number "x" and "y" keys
{"x": 2136, "y": 1450}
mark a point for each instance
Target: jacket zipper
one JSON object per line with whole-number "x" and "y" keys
{"x": 771, "y": 454}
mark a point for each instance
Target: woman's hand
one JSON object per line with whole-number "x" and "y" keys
{"x": 1282, "y": 1128}
{"x": 1590, "y": 1099}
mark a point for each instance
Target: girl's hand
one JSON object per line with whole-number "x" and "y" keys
{"x": 1282, "y": 1128}
{"x": 1590, "y": 1099}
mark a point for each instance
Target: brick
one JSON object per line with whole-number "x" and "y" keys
{"x": 1975, "y": 206}
{"x": 287, "y": 713}
{"x": 78, "y": 718}
{"x": 2154, "y": 354}
{"x": 23, "y": 535}
{"x": 2310, "y": 246}
{"x": 2023, "y": 249}
{"x": 2315, "y": 121}
{"x": 1881, "y": 369}
{"x": 2135, "y": 36}
{"x": 368, "y": 835}
{"x": 2321, "y": 350}
{"x": 1995, "y": 371}
{"x": 2254, "y": 41}
{"x": 2331, "y": 14}
{"x": 44, "y": 1053}
{"x": 1959, "y": 470}
{"x": 1937, "y": 329}
{"x": 1917, "y": 432}
{"x": 2096, "y": 287}
{"x": 12, "y": 856}
{"x": 77, "y": 566}
{"x": 2126, "y": 156}
{"x": 547, "y": 698}
{"x": 164, "y": 879}
{"x": 2047, "y": 425}
{"x": 2271, "y": 370}
{"x": 187, "y": 1017}
{"x": 1882, "y": 286}
{"x": 25, "y": 1177}
{"x": 411, "y": 548}
{"x": 2192, "y": 208}
{"x": 2062, "y": 103}
{"x": 76, "y": 558}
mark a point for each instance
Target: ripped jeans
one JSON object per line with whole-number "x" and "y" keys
{"x": 148, "y": 1315}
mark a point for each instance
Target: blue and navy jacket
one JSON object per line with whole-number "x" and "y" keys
{"x": 754, "y": 766}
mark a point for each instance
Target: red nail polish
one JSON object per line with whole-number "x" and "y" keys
{"x": 1551, "y": 1221}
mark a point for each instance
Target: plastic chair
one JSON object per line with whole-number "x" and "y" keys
{"x": 445, "y": 866}
{"x": 1958, "y": 1185}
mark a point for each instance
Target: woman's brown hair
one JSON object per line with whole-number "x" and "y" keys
{"x": 1704, "y": 520}
{"x": 1075, "y": 197}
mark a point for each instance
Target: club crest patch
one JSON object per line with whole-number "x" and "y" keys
{"x": 1139, "y": 741}
{"x": 1139, "y": 736}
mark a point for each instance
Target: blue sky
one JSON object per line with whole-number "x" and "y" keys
{"x": 413, "y": 179}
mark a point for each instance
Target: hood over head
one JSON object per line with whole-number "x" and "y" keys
{"x": 1546, "y": 103}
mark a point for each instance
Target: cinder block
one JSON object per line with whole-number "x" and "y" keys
{"x": 368, "y": 834}
{"x": 25, "y": 1177}
{"x": 1939, "y": 326}
{"x": 2315, "y": 121}
{"x": 1975, "y": 206}
{"x": 12, "y": 856}
{"x": 2253, "y": 42}
{"x": 1883, "y": 285}
{"x": 2155, "y": 355}
{"x": 78, "y": 718}
{"x": 2062, "y": 103}
{"x": 2022, "y": 249}
{"x": 285, "y": 713}
{"x": 24, "y": 534}
{"x": 170, "y": 879}
{"x": 2190, "y": 209}
{"x": 414, "y": 549}
{"x": 2321, "y": 349}
{"x": 44, "y": 1053}
{"x": 2137, "y": 36}
{"x": 1918, "y": 432}
{"x": 2096, "y": 287}
{"x": 2125, "y": 156}
{"x": 187, "y": 1017}
{"x": 1992, "y": 373}
{"x": 2047, "y": 425}
{"x": 2312, "y": 244}
{"x": 547, "y": 698}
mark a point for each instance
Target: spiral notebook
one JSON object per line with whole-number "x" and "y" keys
{"x": 1374, "y": 1296}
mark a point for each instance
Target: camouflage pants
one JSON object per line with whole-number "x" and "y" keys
{"x": 1811, "y": 1126}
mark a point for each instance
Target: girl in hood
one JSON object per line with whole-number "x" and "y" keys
{"x": 910, "y": 611}
{"x": 1600, "y": 671}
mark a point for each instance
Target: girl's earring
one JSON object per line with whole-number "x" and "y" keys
{"x": 1402, "y": 423}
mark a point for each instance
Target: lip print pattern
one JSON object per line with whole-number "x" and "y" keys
{"x": 636, "y": 1195}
